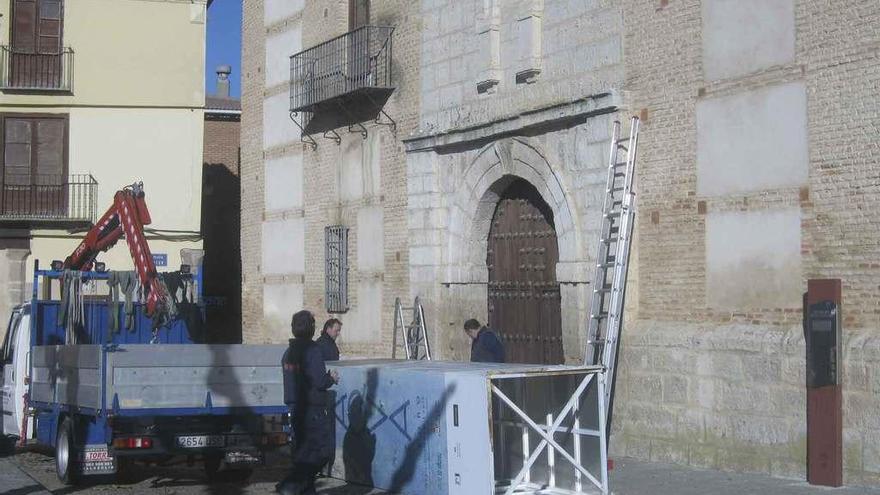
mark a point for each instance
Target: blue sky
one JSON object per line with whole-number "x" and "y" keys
{"x": 224, "y": 44}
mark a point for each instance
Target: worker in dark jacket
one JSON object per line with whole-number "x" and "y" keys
{"x": 486, "y": 347}
{"x": 327, "y": 343}
{"x": 306, "y": 381}
{"x": 327, "y": 340}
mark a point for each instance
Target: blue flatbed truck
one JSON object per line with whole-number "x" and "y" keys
{"x": 135, "y": 394}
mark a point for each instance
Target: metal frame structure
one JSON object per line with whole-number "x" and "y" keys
{"x": 24, "y": 71}
{"x": 336, "y": 268}
{"x": 551, "y": 425}
{"x": 414, "y": 335}
{"x": 344, "y": 81}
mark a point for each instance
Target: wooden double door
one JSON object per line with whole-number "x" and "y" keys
{"x": 524, "y": 298}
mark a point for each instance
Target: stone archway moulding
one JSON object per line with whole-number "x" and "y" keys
{"x": 472, "y": 206}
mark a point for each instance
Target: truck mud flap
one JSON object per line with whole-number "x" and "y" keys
{"x": 97, "y": 459}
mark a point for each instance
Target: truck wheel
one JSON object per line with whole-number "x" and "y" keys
{"x": 7, "y": 445}
{"x": 124, "y": 470}
{"x": 66, "y": 454}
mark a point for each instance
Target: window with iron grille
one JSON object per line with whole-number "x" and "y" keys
{"x": 336, "y": 268}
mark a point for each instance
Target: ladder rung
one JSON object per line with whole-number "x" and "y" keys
{"x": 613, "y": 214}
{"x": 623, "y": 140}
{"x": 624, "y": 148}
{"x": 614, "y": 189}
{"x": 599, "y": 316}
{"x": 620, "y": 174}
{"x": 609, "y": 240}
{"x": 608, "y": 264}
{"x": 619, "y": 164}
{"x": 603, "y": 290}
{"x": 601, "y": 341}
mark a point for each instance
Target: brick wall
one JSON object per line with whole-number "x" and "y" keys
{"x": 221, "y": 229}
{"x": 325, "y": 178}
{"x": 252, "y": 181}
{"x": 719, "y": 381}
{"x": 222, "y": 141}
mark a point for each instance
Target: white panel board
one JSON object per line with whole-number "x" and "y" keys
{"x": 752, "y": 141}
{"x": 284, "y": 183}
{"x": 753, "y": 259}
{"x": 278, "y": 129}
{"x": 744, "y": 36}
{"x": 280, "y": 302}
{"x": 364, "y": 320}
{"x": 370, "y": 239}
{"x": 278, "y": 10}
{"x": 279, "y": 48}
{"x": 282, "y": 244}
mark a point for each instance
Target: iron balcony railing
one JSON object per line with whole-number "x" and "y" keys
{"x": 28, "y": 71}
{"x": 357, "y": 60}
{"x": 49, "y": 198}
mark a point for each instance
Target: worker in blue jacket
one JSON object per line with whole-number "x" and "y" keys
{"x": 486, "y": 347}
{"x": 306, "y": 381}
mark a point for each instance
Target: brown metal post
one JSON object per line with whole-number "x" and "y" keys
{"x": 824, "y": 397}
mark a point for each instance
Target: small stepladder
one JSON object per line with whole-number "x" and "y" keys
{"x": 612, "y": 257}
{"x": 413, "y": 335}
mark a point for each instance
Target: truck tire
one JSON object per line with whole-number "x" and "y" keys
{"x": 7, "y": 445}
{"x": 212, "y": 466}
{"x": 66, "y": 454}
{"x": 234, "y": 475}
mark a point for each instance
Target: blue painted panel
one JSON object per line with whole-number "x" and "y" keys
{"x": 46, "y": 428}
{"x": 391, "y": 429}
{"x": 95, "y": 326}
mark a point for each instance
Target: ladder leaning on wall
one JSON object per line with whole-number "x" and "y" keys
{"x": 413, "y": 335}
{"x": 612, "y": 257}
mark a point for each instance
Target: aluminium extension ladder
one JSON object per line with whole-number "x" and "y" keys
{"x": 413, "y": 335}
{"x": 612, "y": 257}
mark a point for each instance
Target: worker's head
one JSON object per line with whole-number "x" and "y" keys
{"x": 332, "y": 327}
{"x": 472, "y": 328}
{"x": 303, "y": 325}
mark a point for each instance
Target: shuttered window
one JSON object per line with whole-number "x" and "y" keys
{"x": 37, "y": 26}
{"x": 37, "y": 29}
{"x": 34, "y": 167}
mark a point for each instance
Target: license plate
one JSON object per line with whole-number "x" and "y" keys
{"x": 201, "y": 441}
{"x": 96, "y": 459}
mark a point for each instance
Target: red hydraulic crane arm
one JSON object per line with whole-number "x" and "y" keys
{"x": 125, "y": 218}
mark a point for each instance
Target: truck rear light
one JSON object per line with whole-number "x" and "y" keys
{"x": 133, "y": 443}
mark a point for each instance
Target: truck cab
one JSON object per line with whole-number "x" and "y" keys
{"x": 15, "y": 355}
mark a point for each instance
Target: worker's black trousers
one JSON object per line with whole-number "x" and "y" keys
{"x": 311, "y": 447}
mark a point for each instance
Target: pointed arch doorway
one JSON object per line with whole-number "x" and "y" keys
{"x": 523, "y": 296}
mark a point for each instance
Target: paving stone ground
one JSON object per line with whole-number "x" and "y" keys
{"x": 32, "y": 473}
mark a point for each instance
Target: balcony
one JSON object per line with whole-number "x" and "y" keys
{"x": 48, "y": 200}
{"x": 21, "y": 71}
{"x": 343, "y": 82}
